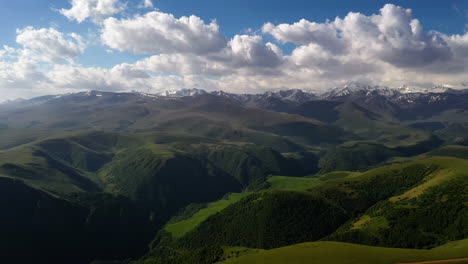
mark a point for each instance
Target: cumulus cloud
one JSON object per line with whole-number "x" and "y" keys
{"x": 21, "y": 68}
{"x": 243, "y": 52}
{"x": 390, "y": 48}
{"x": 72, "y": 78}
{"x": 304, "y": 32}
{"x": 249, "y": 50}
{"x": 95, "y": 9}
{"x": 18, "y": 72}
{"x": 158, "y": 32}
{"x": 392, "y": 36}
{"x": 48, "y": 44}
{"x": 399, "y": 39}
{"x": 7, "y": 52}
{"x": 459, "y": 44}
{"x": 128, "y": 71}
{"x": 185, "y": 64}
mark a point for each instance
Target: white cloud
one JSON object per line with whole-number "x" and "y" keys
{"x": 157, "y": 32}
{"x": 459, "y": 44}
{"x": 185, "y": 64}
{"x": 305, "y": 32}
{"x": 119, "y": 78}
{"x": 251, "y": 51}
{"x": 392, "y": 36}
{"x": 95, "y": 9}
{"x": 389, "y": 48}
{"x": 146, "y": 4}
{"x": 21, "y": 74}
{"x": 48, "y": 44}
{"x": 128, "y": 71}
{"x": 242, "y": 52}
{"x": 7, "y": 52}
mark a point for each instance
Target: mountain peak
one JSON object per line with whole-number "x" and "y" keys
{"x": 295, "y": 95}
{"x": 183, "y": 92}
{"x": 356, "y": 87}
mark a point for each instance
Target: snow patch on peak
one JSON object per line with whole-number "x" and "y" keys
{"x": 295, "y": 95}
{"x": 361, "y": 88}
{"x": 183, "y": 92}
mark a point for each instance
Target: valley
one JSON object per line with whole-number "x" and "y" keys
{"x": 204, "y": 177}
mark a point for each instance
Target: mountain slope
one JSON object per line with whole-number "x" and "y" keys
{"x": 342, "y": 253}
{"x": 123, "y": 164}
{"x": 440, "y": 200}
{"x": 37, "y": 227}
{"x": 358, "y": 208}
{"x": 202, "y": 115}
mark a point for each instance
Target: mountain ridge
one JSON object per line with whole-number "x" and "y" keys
{"x": 294, "y": 95}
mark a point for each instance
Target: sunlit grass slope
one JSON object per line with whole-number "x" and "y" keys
{"x": 179, "y": 229}
{"x": 344, "y": 253}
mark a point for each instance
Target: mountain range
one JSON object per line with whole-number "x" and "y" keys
{"x": 200, "y": 177}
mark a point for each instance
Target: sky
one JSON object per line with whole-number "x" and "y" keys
{"x": 238, "y": 46}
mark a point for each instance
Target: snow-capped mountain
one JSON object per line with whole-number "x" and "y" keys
{"x": 372, "y": 102}
{"x": 360, "y": 89}
{"x": 294, "y": 95}
{"x": 277, "y": 101}
{"x": 438, "y": 88}
{"x": 183, "y": 92}
{"x": 285, "y": 100}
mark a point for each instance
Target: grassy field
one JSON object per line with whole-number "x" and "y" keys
{"x": 10, "y": 138}
{"x": 36, "y": 171}
{"x": 293, "y": 183}
{"x": 451, "y": 151}
{"x": 307, "y": 183}
{"x": 449, "y": 168}
{"x": 343, "y": 253}
{"x": 179, "y": 229}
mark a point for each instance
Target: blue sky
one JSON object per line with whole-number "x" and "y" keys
{"x": 233, "y": 16}
{"x": 242, "y": 52}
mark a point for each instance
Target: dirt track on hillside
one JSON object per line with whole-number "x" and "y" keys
{"x": 435, "y": 261}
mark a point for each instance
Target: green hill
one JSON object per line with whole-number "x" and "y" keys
{"x": 268, "y": 220}
{"x": 460, "y": 152}
{"x": 336, "y": 201}
{"x": 376, "y": 207}
{"x": 103, "y": 175}
{"x": 359, "y": 156}
{"x": 154, "y": 174}
{"x": 205, "y": 116}
{"x": 343, "y": 253}
{"x": 180, "y": 228}
{"x": 37, "y": 227}
{"x": 435, "y": 211}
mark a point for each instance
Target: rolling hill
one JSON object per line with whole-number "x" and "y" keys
{"x": 202, "y": 177}
{"x": 204, "y": 115}
{"x": 326, "y": 252}
{"x": 362, "y": 208}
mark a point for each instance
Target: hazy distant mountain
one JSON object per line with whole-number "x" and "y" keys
{"x": 18, "y": 103}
